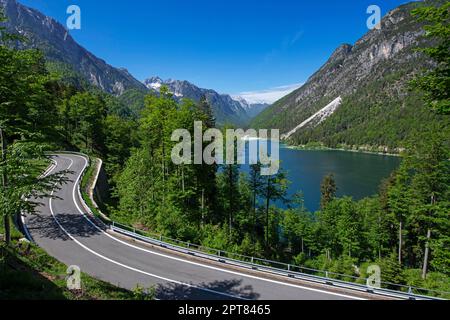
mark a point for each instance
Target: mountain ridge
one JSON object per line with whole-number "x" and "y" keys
{"x": 225, "y": 107}
{"x": 372, "y": 78}
{"x": 66, "y": 56}
{"x": 52, "y": 38}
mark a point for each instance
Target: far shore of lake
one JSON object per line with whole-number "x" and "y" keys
{"x": 323, "y": 148}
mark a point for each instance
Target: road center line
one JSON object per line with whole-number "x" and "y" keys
{"x": 191, "y": 262}
{"x": 118, "y": 263}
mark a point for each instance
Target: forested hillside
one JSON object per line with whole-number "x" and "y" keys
{"x": 82, "y": 69}
{"x": 40, "y": 112}
{"x": 58, "y": 46}
{"x": 405, "y": 228}
{"x": 225, "y": 109}
{"x": 380, "y": 110}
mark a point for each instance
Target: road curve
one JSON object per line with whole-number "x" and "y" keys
{"x": 63, "y": 228}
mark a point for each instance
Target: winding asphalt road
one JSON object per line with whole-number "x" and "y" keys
{"x": 63, "y": 228}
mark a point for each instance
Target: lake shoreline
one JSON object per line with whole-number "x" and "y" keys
{"x": 306, "y": 148}
{"x": 357, "y": 174}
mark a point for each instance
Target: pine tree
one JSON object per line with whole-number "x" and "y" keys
{"x": 328, "y": 190}
{"x": 436, "y": 83}
{"x": 27, "y": 114}
{"x": 205, "y": 107}
{"x": 399, "y": 203}
{"x": 349, "y": 227}
{"x": 391, "y": 272}
{"x": 430, "y": 189}
{"x": 256, "y": 184}
{"x": 275, "y": 189}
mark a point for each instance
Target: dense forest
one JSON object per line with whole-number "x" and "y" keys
{"x": 380, "y": 110}
{"x": 405, "y": 228}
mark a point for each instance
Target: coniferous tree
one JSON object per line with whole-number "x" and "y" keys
{"x": 256, "y": 184}
{"x": 399, "y": 204}
{"x": 328, "y": 190}
{"x": 206, "y": 108}
{"x": 207, "y": 172}
{"x": 436, "y": 83}
{"x": 275, "y": 189}
{"x": 27, "y": 114}
{"x": 430, "y": 188}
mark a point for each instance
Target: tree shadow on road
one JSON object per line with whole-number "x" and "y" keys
{"x": 217, "y": 290}
{"x": 45, "y": 226}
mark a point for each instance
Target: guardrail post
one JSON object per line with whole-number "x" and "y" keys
{"x": 291, "y": 268}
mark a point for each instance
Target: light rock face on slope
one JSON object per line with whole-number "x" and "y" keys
{"x": 374, "y": 71}
{"x": 52, "y": 38}
{"x": 317, "y": 118}
{"x": 225, "y": 108}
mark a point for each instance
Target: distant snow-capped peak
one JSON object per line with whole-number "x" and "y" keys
{"x": 154, "y": 83}
{"x": 249, "y": 104}
{"x": 244, "y": 103}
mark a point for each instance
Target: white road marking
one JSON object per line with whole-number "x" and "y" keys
{"x": 191, "y": 262}
{"x": 159, "y": 254}
{"x": 121, "y": 264}
{"x": 22, "y": 214}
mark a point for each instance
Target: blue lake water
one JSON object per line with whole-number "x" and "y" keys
{"x": 357, "y": 174}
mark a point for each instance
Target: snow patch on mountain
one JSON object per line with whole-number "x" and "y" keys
{"x": 318, "y": 117}
{"x": 228, "y": 104}
{"x": 154, "y": 83}
{"x": 225, "y": 109}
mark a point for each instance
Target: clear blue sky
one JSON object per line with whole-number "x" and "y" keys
{"x": 227, "y": 45}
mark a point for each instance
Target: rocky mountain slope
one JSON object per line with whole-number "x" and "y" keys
{"x": 372, "y": 79}
{"x": 81, "y": 66}
{"x": 252, "y": 109}
{"x": 225, "y": 108}
{"x": 50, "y": 36}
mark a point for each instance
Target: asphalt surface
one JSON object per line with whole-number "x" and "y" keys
{"x": 63, "y": 228}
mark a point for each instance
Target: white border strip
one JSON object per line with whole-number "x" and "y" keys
{"x": 183, "y": 260}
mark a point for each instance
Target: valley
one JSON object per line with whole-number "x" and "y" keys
{"x": 110, "y": 138}
{"x": 372, "y": 78}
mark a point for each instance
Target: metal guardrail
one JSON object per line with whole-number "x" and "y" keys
{"x": 273, "y": 267}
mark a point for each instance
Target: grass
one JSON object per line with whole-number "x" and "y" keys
{"x": 436, "y": 281}
{"x": 88, "y": 177}
{"x": 28, "y": 272}
{"x": 31, "y": 274}
{"x": 86, "y": 181}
